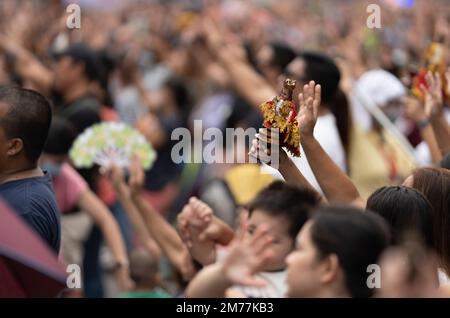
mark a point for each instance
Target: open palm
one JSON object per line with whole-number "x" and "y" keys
{"x": 309, "y": 101}
{"x": 247, "y": 256}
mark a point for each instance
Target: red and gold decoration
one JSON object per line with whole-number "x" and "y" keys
{"x": 433, "y": 61}
{"x": 280, "y": 112}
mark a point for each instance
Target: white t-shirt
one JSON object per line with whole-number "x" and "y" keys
{"x": 327, "y": 134}
{"x": 276, "y": 286}
{"x": 443, "y": 277}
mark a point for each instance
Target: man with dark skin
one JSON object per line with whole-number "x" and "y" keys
{"x": 25, "y": 118}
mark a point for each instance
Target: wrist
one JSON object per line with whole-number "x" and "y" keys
{"x": 422, "y": 123}
{"x": 222, "y": 274}
{"x": 306, "y": 138}
{"x": 436, "y": 117}
{"x": 122, "y": 190}
{"x": 121, "y": 265}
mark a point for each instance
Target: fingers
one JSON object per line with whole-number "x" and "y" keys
{"x": 301, "y": 100}
{"x": 429, "y": 79}
{"x": 200, "y": 209}
{"x": 423, "y": 88}
{"x": 243, "y": 225}
{"x": 437, "y": 80}
{"x": 183, "y": 223}
{"x": 260, "y": 240}
{"x": 317, "y": 100}
{"x": 260, "y": 147}
{"x": 311, "y": 96}
{"x": 254, "y": 281}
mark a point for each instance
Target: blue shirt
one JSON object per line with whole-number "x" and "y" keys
{"x": 34, "y": 200}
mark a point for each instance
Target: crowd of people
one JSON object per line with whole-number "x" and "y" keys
{"x": 371, "y": 186}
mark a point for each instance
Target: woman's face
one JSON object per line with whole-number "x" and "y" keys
{"x": 303, "y": 270}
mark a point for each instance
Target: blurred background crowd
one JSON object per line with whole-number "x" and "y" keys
{"x": 160, "y": 65}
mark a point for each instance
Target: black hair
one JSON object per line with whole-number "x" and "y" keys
{"x": 106, "y": 65}
{"x": 60, "y": 137}
{"x": 282, "y": 55}
{"x": 280, "y": 199}
{"x": 324, "y": 71}
{"x": 445, "y": 162}
{"x": 405, "y": 209}
{"x": 81, "y": 53}
{"x": 356, "y": 237}
{"x": 243, "y": 115}
{"x": 183, "y": 98}
{"x": 434, "y": 183}
{"x": 28, "y": 117}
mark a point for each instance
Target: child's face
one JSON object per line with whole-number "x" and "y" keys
{"x": 282, "y": 243}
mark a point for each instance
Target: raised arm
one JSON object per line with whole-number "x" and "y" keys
{"x": 246, "y": 256}
{"x": 434, "y": 105}
{"x": 115, "y": 174}
{"x": 335, "y": 184}
{"x": 27, "y": 65}
{"x": 247, "y": 82}
{"x": 201, "y": 231}
{"x": 164, "y": 233}
{"x": 93, "y": 206}
{"x": 287, "y": 168}
{"x": 416, "y": 112}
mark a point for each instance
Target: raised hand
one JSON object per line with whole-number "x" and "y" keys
{"x": 433, "y": 95}
{"x": 247, "y": 256}
{"x": 116, "y": 176}
{"x": 198, "y": 231}
{"x": 263, "y": 145}
{"x": 124, "y": 280}
{"x": 137, "y": 177}
{"x": 309, "y": 101}
{"x": 414, "y": 109}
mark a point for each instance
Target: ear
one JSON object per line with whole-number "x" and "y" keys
{"x": 330, "y": 268}
{"x": 15, "y": 146}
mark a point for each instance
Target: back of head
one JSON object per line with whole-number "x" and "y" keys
{"x": 28, "y": 118}
{"x": 81, "y": 53}
{"x": 405, "y": 210}
{"x": 143, "y": 267}
{"x": 324, "y": 71}
{"x": 434, "y": 183}
{"x": 60, "y": 137}
{"x": 357, "y": 238}
{"x": 280, "y": 199}
{"x": 282, "y": 55}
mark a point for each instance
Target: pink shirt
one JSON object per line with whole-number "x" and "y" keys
{"x": 68, "y": 186}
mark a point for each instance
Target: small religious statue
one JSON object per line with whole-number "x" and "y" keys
{"x": 433, "y": 61}
{"x": 280, "y": 112}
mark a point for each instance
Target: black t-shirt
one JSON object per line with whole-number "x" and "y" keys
{"x": 164, "y": 170}
{"x": 33, "y": 199}
{"x": 82, "y": 112}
